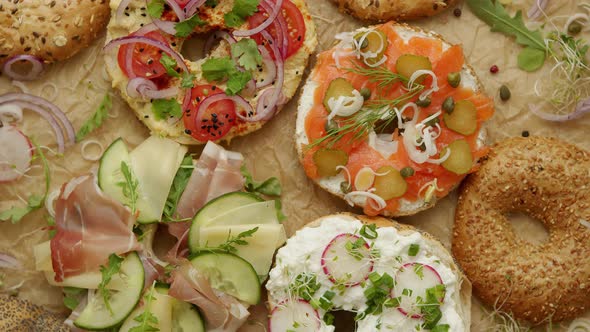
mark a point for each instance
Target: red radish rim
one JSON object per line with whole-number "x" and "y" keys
{"x": 326, "y": 269}
{"x": 29, "y": 152}
{"x": 400, "y": 309}
{"x": 277, "y": 307}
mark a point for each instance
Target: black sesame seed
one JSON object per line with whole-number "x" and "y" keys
{"x": 525, "y": 133}
{"x": 146, "y": 116}
{"x": 457, "y": 12}
{"x": 187, "y": 131}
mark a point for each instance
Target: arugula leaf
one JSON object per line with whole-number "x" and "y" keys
{"x": 218, "y": 69}
{"x": 187, "y": 80}
{"x": 531, "y": 59}
{"x": 186, "y": 27}
{"x": 237, "y": 81}
{"x": 270, "y": 187}
{"x": 279, "y": 207}
{"x": 155, "y": 8}
{"x": 232, "y": 241}
{"x": 129, "y": 186}
{"x": 247, "y": 53}
{"x": 163, "y": 108}
{"x": 500, "y": 21}
{"x": 169, "y": 64}
{"x": 72, "y": 296}
{"x": 108, "y": 272}
{"x": 34, "y": 202}
{"x": 97, "y": 118}
{"x": 146, "y": 319}
{"x": 242, "y": 9}
{"x": 178, "y": 185}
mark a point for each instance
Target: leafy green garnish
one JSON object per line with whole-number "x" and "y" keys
{"x": 419, "y": 270}
{"x": 247, "y": 53}
{"x": 413, "y": 250}
{"x": 187, "y": 80}
{"x": 378, "y": 294}
{"x": 129, "y": 186}
{"x": 232, "y": 241}
{"x": 242, "y": 9}
{"x": 186, "y": 27}
{"x": 237, "y": 82}
{"x": 369, "y": 231}
{"x": 354, "y": 249}
{"x": 72, "y": 296}
{"x": 441, "y": 328}
{"x": 305, "y": 286}
{"x": 164, "y": 108}
{"x": 279, "y": 207}
{"x": 218, "y": 69}
{"x": 178, "y": 185}
{"x": 97, "y": 118}
{"x": 34, "y": 202}
{"x": 530, "y": 59}
{"x": 269, "y": 187}
{"x": 108, "y": 272}
{"x": 155, "y": 8}
{"x": 430, "y": 307}
{"x": 383, "y": 76}
{"x": 211, "y": 3}
{"x": 169, "y": 64}
{"x": 146, "y": 319}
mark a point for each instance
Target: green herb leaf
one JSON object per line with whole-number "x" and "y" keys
{"x": 430, "y": 308}
{"x": 237, "y": 82}
{"x": 500, "y": 21}
{"x": 178, "y": 185}
{"x": 146, "y": 319}
{"x": 129, "y": 186}
{"x": 242, "y": 9}
{"x": 369, "y": 231}
{"x": 72, "y": 296}
{"x": 413, "y": 250}
{"x": 186, "y": 27}
{"x": 218, "y": 69}
{"x": 97, "y": 118}
{"x": 108, "y": 272}
{"x": 169, "y": 64}
{"x": 247, "y": 53}
{"x": 164, "y": 108}
{"x": 441, "y": 328}
{"x": 211, "y": 3}
{"x": 187, "y": 80}
{"x": 269, "y": 187}
{"x": 531, "y": 59}
{"x": 232, "y": 241}
{"x": 155, "y": 8}
{"x": 305, "y": 286}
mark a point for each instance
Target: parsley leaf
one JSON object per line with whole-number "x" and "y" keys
{"x": 72, "y": 296}
{"x": 270, "y": 187}
{"x": 146, "y": 319}
{"x": 169, "y": 64}
{"x": 218, "y": 69}
{"x": 34, "y": 202}
{"x": 186, "y": 27}
{"x": 129, "y": 186}
{"x": 247, "y": 53}
{"x": 242, "y": 9}
{"x": 187, "y": 80}
{"x": 178, "y": 185}
{"x": 108, "y": 272}
{"x": 237, "y": 81}
{"x": 97, "y": 118}
{"x": 163, "y": 108}
{"x": 155, "y": 8}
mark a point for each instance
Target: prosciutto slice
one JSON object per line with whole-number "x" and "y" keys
{"x": 90, "y": 226}
{"x": 222, "y": 312}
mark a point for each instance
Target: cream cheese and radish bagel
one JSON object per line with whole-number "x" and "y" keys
{"x": 392, "y": 276}
{"x": 256, "y": 52}
{"x": 391, "y": 119}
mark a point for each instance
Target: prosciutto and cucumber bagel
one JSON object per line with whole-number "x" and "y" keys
{"x": 388, "y": 274}
{"x": 255, "y": 54}
{"x": 391, "y": 119}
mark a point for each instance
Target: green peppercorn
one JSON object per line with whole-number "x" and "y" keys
{"x": 423, "y": 102}
{"x": 448, "y": 105}
{"x": 504, "y": 93}
{"x": 407, "y": 172}
{"x": 331, "y": 126}
{"x": 574, "y": 28}
{"x": 345, "y": 187}
{"x": 454, "y": 79}
{"x": 366, "y": 93}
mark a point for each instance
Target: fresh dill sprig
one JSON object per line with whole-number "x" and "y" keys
{"x": 380, "y": 75}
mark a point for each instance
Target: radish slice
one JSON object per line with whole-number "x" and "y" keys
{"x": 347, "y": 266}
{"x": 297, "y": 316}
{"x": 16, "y": 152}
{"x": 417, "y": 278}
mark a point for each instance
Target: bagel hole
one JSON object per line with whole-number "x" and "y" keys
{"x": 528, "y": 228}
{"x": 192, "y": 48}
{"x": 344, "y": 321}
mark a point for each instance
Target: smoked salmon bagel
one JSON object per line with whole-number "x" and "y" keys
{"x": 388, "y": 274}
{"x": 384, "y": 10}
{"x": 548, "y": 180}
{"x": 255, "y": 55}
{"x": 391, "y": 119}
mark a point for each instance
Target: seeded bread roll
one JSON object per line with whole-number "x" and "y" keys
{"x": 20, "y": 315}
{"x": 385, "y": 10}
{"x": 52, "y": 30}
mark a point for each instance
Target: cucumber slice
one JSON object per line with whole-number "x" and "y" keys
{"x": 230, "y": 274}
{"x": 217, "y": 207}
{"x": 109, "y": 170}
{"x": 160, "y": 307}
{"x": 261, "y": 245}
{"x": 255, "y": 213}
{"x": 186, "y": 318}
{"x": 96, "y": 316}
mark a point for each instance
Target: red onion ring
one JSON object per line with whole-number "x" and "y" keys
{"x": 59, "y": 135}
{"x": 276, "y": 9}
{"x": 214, "y": 37}
{"x": 271, "y": 69}
{"x": 537, "y": 9}
{"x": 142, "y": 87}
{"x": 582, "y": 108}
{"x": 121, "y": 9}
{"x": 280, "y": 28}
{"x": 33, "y": 74}
{"x": 10, "y": 114}
{"x": 191, "y": 7}
{"x": 168, "y": 27}
{"x": 152, "y": 42}
{"x": 208, "y": 101}
{"x": 9, "y": 262}
{"x": 177, "y": 10}
{"x": 129, "y": 55}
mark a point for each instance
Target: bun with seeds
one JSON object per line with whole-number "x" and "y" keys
{"x": 21, "y": 315}
{"x": 391, "y": 119}
{"x": 384, "y": 10}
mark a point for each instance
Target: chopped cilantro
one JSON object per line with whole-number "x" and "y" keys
{"x": 218, "y": 69}
{"x": 155, "y": 8}
{"x": 269, "y": 187}
{"x": 247, "y": 54}
{"x": 242, "y": 9}
{"x": 187, "y": 80}
{"x": 163, "y": 108}
{"x": 169, "y": 64}
{"x": 186, "y": 27}
{"x": 413, "y": 250}
{"x": 237, "y": 81}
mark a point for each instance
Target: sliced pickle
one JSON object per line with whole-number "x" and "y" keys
{"x": 407, "y": 64}
{"x": 326, "y": 160}
{"x": 338, "y": 87}
{"x": 463, "y": 118}
{"x": 374, "y": 42}
{"x": 391, "y": 184}
{"x": 460, "y": 161}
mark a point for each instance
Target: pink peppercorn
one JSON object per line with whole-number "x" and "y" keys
{"x": 494, "y": 69}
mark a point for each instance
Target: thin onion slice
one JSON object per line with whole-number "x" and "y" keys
{"x": 10, "y": 113}
{"x": 216, "y": 36}
{"x": 84, "y": 150}
{"x": 9, "y": 262}
{"x": 191, "y": 7}
{"x": 276, "y": 9}
{"x": 537, "y": 9}
{"x": 270, "y": 69}
{"x": 208, "y": 101}
{"x": 371, "y": 198}
{"x": 142, "y": 87}
{"x": 281, "y": 29}
{"x": 176, "y": 9}
{"x": 582, "y": 108}
{"x": 121, "y": 9}
{"x": 168, "y": 27}
{"x": 33, "y": 74}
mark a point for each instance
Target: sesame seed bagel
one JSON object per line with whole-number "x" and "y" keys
{"x": 21, "y": 315}
{"x": 548, "y": 180}
{"x": 385, "y": 10}
{"x": 51, "y": 30}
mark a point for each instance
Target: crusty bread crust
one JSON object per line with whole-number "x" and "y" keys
{"x": 547, "y": 179}
{"x": 52, "y": 30}
{"x": 420, "y": 204}
{"x": 385, "y": 10}
{"x": 21, "y": 315}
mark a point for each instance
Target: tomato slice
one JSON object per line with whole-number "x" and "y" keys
{"x": 217, "y": 120}
{"x": 146, "y": 58}
{"x": 295, "y": 26}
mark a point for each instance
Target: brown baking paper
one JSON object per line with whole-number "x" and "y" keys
{"x": 78, "y": 85}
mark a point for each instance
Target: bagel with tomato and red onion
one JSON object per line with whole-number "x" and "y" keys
{"x": 256, "y": 52}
